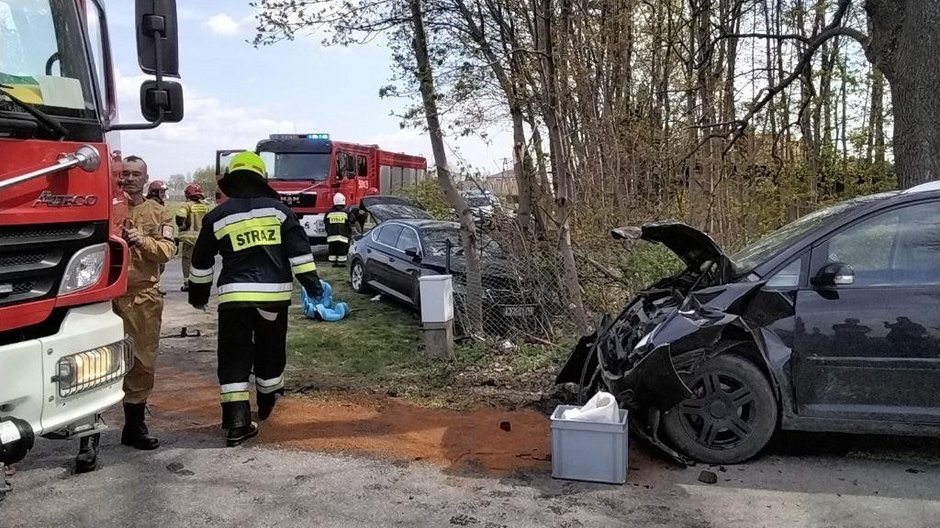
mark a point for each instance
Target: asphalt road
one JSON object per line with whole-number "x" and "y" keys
{"x": 803, "y": 480}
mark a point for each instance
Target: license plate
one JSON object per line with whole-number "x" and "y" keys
{"x": 298, "y": 199}
{"x": 519, "y": 311}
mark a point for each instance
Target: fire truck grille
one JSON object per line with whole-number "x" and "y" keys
{"x": 33, "y": 258}
{"x": 23, "y": 287}
{"x": 25, "y": 259}
{"x": 17, "y": 234}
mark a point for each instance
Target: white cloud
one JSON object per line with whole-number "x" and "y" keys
{"x": 223, "y": 24}
{"x": 209, "y": 125}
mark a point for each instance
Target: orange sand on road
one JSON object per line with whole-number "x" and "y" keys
{"x": 367, "y": 424}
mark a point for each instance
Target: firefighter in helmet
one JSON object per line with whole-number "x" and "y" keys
{"x": 189, "y": 220}
{"x": 263, "y": 248}
{"x": 338, "y": 231}
{"x": 156, "y": 191}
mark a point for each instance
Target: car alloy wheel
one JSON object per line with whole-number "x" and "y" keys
{"x": 731, "y": 415}
{"x": 357, "y": 277}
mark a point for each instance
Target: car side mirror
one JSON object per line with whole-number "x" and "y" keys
{"x": 834, "y": 274}
{"x": 161, "y": 101}
{"x": 157, "y": 37}
{"x": 413, "y": 253}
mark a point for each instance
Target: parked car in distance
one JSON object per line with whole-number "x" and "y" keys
{"x": 406, "y": 244}
{"x": 832, "y": 323}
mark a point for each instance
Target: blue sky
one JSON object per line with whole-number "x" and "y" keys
{"x": 236, "y": 94}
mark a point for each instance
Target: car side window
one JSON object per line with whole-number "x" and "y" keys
{"x": 787, "y": 278}
{"x": 900, "y": 247}
{"x": 408, "y": 239}
{"x": 389, "y": 235}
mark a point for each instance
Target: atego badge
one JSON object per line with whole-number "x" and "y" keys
{"x": 49, "y": 199}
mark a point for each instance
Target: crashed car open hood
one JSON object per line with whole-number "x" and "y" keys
{"x": 385, "y": 208}
{"x": 693, "y": 247}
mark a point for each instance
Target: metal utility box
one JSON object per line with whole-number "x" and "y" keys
{"x": 437, "y": 298}
{"x": 590, "y": 451}
{"x": 437, "y": 315}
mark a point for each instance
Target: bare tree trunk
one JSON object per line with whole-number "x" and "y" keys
{"x": 564, "y": 202}
{"x": 906, "y": 48}
{"x": 473, "y": 304}
{"x": 878, "y": 116}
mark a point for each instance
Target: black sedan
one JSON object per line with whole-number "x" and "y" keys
{"x": 831, "y": 323}
{"x": 407, "y": 244}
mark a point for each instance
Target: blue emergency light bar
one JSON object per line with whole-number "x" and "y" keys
{"x": 299, "y": 136}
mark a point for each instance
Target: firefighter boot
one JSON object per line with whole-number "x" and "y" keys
{"x": 266, "y": 405}
{"x": 135, "y": 431}
{"x": 238, "y": 435}
{"x": 87, "y": 458}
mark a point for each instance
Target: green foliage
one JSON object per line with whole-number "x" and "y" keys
{"x": 429, "y": 194}
{"x": 205, "y": 177}
{"x": 647, "y": 263}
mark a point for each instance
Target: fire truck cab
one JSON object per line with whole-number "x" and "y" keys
{"x": 63, "y": 351}
{"x": 307, "y": 170}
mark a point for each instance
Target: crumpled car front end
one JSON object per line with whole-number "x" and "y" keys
{"x": 645, "y": 355}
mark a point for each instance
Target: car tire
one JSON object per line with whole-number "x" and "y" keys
{"x": 731, "y": 415}
{"x": 357, "y": 277}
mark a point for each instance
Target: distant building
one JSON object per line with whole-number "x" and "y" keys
{"x": 502, "y": 184}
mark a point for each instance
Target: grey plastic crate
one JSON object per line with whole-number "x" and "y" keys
{"x": 595, "y": 452}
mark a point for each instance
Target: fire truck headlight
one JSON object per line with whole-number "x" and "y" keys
{"x": 84, "y": 269}
{"x": 94, "y": 368}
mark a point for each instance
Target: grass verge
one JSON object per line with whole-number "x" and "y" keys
{"x": 378, "y": 347}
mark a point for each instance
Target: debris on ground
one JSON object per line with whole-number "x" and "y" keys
{"x": 914, "y": 471}
{"x": 463, "y": 520}
{"x": 377, "y": 298}
{"x": 177, "y": 468}
{"x": 707, "y": 477}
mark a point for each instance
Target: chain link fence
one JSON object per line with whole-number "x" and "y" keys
{"x": 523, "y": 297}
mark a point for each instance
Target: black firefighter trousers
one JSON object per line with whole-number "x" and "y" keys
{"x": 251, "y": 340}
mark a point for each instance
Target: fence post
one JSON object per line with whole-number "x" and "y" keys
{"x": 437, "y": 315}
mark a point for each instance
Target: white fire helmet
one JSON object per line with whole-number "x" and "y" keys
{"x": 339, "y": 199}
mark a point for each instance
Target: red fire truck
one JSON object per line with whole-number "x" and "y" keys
{"x": 63, "y": 352}
{"x": 308, "y": 169}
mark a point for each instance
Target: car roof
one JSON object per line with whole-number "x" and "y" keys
{"x": 423, "y": 223}
{"x": 924, "y": 187}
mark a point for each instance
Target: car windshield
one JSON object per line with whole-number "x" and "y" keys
{"x": 297, "y": 166}
{"x": 759, "y": 252}
{"x": 435, "y": 243}
{"x": 42, "y": 58}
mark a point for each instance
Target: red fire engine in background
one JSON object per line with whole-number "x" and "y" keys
{"x": 63, "y": 351}
{"x": 308, "y": 169}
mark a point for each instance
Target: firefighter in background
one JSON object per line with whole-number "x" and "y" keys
{"x": 149, "y": 235}
{"x": 263, "y": 248}
{"x": 189, "y": 220}
{"x": 156, "y": 191}
{"x": 338, "y": 231}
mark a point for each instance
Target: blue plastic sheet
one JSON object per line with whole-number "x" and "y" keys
{"x": 323, "y": 308}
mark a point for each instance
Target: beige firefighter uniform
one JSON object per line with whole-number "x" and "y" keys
{"x": 142, "y": 306}
{"x": 189, "y": 219}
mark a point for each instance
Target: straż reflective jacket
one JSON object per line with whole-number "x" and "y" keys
{"x": 338, "y": 228}
{"x": 263, "y": 248}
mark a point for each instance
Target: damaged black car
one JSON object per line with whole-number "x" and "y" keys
{"x": 831, "y": 323}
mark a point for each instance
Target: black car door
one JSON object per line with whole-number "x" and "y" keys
{"x": 869, "y": 349}
{"x": 381, "y": 255}
{"x": 406, "y": 268}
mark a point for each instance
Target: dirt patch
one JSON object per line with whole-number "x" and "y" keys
{"x": 369, "y": 424}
